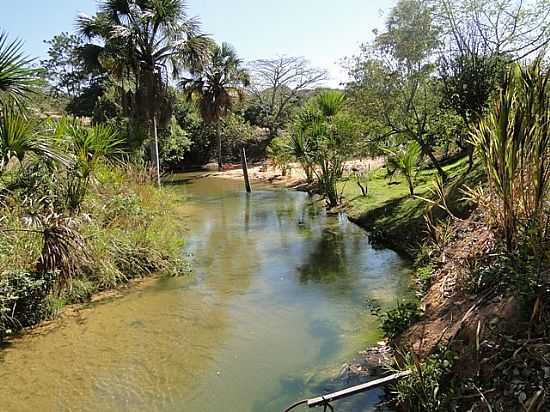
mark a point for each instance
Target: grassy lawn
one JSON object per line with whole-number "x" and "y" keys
{"x": 389, "y": 212}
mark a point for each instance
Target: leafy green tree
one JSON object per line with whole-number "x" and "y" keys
{"x": 174, "y": 146}
{"x": 65, "y": 67}
{"x": 215, "y": 85}
{"x": 393, "y": 83}
{"x": 144, "y": 42}
{"x": 236, "y": 132}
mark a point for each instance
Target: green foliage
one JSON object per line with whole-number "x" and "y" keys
{"x": 395, "y": 321}
{"x": 410, "y": 36}
{"x": 235, "y": 132}
{"x": 404, "y": 161}
{"x": 513, "y": 142}
{"x": 89, "y": 147}
{"x": 174, "y": 146}
{"x": 17, "y": 79}
{"x": 22, "y": 296}
{"x": 151, "y": 36}
{"x": 215, "y": 85}
{"x": 428, "y": 388}
{"x": 393, "y": 87}
{"x": 65, "y": 67}
{"x": 20, "y": 136}
{"x": 424, "y": 278}
{"x": 280, "y": 154}
{"x": 279, "y": 88}
{"x": 323, "y": 139}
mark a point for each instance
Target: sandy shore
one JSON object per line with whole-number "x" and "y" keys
{"x": 296, "y": 177}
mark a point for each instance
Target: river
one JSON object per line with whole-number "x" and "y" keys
{"x": 275, "y": 305}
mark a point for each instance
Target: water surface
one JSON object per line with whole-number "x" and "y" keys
{"x": 275, "y": 306}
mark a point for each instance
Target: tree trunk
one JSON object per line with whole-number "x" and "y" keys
{"x": 155, "y": 151}
{"x": 219, "y": 137}
{"x": 411, "y": 186}
{"x": 245, "y": 170}
{"x": 436, "y": 164}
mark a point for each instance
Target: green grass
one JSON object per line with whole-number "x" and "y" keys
{"x": 391, "y": 214}
{"x": 130, "y": 229}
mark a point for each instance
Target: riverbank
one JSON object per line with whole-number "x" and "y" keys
{"x": 125, "y": 230}
{"x": 476, "y": 340}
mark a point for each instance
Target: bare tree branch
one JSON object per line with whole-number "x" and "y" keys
{"x": 276, "y": 82}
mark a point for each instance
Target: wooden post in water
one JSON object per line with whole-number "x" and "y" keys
{"x": 244, "y": 164}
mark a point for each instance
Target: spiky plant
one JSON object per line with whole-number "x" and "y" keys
{"x": 19, "y": 136}
{"x": 64, "y": 250}
{"x": 513, "y": 142}
{"x": 89, "y": 146}
{"x": 17, "y": 79}
{"x": 321, "y": 141}
{"x": 404, "y": 161}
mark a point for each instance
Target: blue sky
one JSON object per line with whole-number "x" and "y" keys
{"x": 323, "y": 31}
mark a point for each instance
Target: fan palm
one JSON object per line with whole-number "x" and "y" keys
{"x": 16, "y": 77}
{"x": 20, "y": 136}
{"x": 149, "y": 40}
{"x": 215, "y": 85}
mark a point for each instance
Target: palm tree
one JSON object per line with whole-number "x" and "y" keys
{"x": 18, "y": 135}
{"x": 322, "y": 140}
{"x": 147, "y": 41}
{"x": 404, "y": 161}
{"x": 16, "y": 77}
{"x": 215, "y": 85}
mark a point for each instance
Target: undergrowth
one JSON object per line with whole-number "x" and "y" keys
{"x": 125, "y": 228}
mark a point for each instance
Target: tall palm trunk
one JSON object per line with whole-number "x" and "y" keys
{"x": 219, "y": 138}
{"x": 156, "y": 160}
{"x": 149, "y": 100}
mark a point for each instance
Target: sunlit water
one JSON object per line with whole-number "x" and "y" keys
{"x": 276, "y": 304}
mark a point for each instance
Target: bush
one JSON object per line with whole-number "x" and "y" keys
{"x": 395, "y": 321}
{"x": 174, "y": 146}
{"x": 22, "y": 298}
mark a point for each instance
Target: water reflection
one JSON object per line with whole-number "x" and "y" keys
{"x": 275, "y": 306}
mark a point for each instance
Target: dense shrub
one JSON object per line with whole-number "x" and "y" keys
{"x": 22, "y": 298}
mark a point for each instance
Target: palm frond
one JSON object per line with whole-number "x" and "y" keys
{"x": 17, "y": 79}
{"x": 19, "y": 136}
